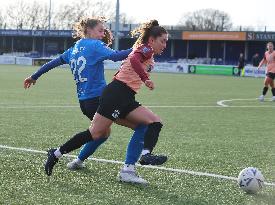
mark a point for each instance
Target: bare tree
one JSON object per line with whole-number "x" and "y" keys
{"x": 2, "y": 23}
{"x": 124, "y": 19}
{"x": 68, "y": 14}
{"x": 26, "y": 15}
{"x": 244, "y": 28}
{"x": 15, "y": 15}
{"x": 37, "y": 16}
{"x": 206, "y": 20}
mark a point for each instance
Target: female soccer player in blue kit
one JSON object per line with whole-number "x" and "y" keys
{"x": 86, "y": 61}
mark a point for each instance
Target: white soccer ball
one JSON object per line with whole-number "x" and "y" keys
{"x": 251, "y": 180}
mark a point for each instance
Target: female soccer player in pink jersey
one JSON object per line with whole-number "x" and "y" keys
{"x": 269, "y": 60}
{"x": 117, "y": 101}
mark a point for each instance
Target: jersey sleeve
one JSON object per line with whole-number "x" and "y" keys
{"x": 120, "y": 55}
{"x": 136, "y": 63}
{"x": 66, "y": 56}
{"x": 145, "y": 51}
{"x": 103, "y": 52}
{"x": 48, "y": 66}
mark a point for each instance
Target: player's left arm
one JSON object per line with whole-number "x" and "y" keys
{"x": 120, "y": 55}
{"x": 106, "y": 53}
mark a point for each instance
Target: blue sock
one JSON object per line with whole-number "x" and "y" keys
{"x": 89, "y": 148}
{"x": 135, "y": 145}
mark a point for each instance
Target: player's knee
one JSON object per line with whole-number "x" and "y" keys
{"x": 153, "y": 118}
{"x": 99, "y": 133}
{"x": 157, "y": 119}
{"x": 108, "y": 133}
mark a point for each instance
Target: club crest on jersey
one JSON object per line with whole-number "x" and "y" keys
{"x": 77, "y": 50}
{"x": 116, "y": 114}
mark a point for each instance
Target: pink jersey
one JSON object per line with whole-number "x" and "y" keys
{"x": 128, "y": 75}
{"x": 270, "y": 61}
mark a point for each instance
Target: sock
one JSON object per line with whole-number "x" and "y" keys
{"x": 79, "y": 161}
{"x": 273, "y": 91}
{"x": 128, "y": 167}
{"x": 76, "y": 141}
{"x": 145, "y": 151}
{"x": 57, "y": 153}
{"x": 243, "y": 72}
{"x": 135, "y": 145}
{"x": 151, "y": 135}
{"x": 265, "y": 89}
{"x": 89, "y": 148}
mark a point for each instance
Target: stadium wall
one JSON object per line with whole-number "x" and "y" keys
{"x": 222, "y": 46}
{"x": 170, "y": 67}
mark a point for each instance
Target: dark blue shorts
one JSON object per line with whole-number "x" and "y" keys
{"x": 117, "y": 101}
{"x": 271, "y": 75}
{"x": 89, "y": 107}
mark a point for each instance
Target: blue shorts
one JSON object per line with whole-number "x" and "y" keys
{"x": 89, "y": 107}
{"x": 271, "y": 75}
{"x": 117, "y": 101}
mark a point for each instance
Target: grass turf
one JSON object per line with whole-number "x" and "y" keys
{"x": 200, "y": 137}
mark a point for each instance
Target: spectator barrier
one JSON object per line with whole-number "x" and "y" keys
{"x": 171, "y": 67}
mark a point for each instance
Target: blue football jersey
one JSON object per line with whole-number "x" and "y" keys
{"x": 86, "y": 62}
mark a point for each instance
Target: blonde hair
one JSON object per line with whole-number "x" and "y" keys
{"x": 146, "y": 30}
{"x": 270, "y": 43}
{"x": 80, "y": 28}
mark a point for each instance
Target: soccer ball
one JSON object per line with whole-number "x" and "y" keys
{"x": 251, "y": 180}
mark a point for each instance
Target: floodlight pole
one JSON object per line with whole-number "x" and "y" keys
{"x": 50, "y": 8}
{"x": 117, "y": 26}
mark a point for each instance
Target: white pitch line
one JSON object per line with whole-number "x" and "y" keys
{"x": 180, "y": 171}
{"x": 219, "y": 105}
{"x": 77, "y": 106}
{"x": 39, "y": 106}
{"x": 222, "y": 103}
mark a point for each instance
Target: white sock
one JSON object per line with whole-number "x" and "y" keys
{"x": 78, "y": 161}
{"x": 57, "y": 153}
{"x": 144, "y": 152}
{"x": 129, "y": 167}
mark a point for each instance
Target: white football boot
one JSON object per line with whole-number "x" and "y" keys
{"x": 261, "y": 98}
{"x": 76, "y": 164}
{"x": 273, "y": 99}
{"x": 130, "y": 176}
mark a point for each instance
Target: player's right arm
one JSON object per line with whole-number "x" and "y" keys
{"x": 45, "y": 68}
{"x": 63, "y": 59}
{"x": 136, "y": 60}
{"x": 263, "y": 61}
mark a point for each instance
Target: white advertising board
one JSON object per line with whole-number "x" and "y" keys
{"x": 7, "y": 59}
{"x": 23, "y": 61}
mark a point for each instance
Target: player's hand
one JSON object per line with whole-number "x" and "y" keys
{"x": 149, "y": 84}
{"x": 28, "y": 82}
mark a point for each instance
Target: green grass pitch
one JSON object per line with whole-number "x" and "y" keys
{"x": 197, "y": 136}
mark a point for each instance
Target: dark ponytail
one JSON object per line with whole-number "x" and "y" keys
{"x": 146, "y": 30}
